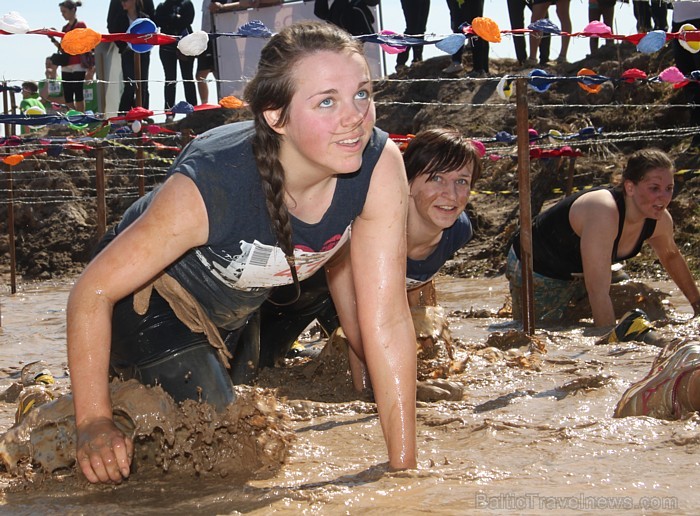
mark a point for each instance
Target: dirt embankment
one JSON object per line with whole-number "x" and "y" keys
{"x": 56, "y": 239}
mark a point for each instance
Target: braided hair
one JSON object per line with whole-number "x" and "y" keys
{"x": 272, "y": 89}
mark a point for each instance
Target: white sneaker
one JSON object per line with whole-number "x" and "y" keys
{"x": 453, "y": 68}
{"x": 656, "y": 395}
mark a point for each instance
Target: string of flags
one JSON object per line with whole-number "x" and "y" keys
{"x": 540, "y": 80}
{"x": 53, "y": 146}
{"x": 143, "y": 34}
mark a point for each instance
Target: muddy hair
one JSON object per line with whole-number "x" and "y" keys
{"x": 644, "y": 160}
{"x": 272, "y": 89}
{"x": 435, "y": 151}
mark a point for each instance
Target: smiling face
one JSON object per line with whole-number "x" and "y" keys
{"x": 439, "y": 200}
{"x": 331, "y": 114}
{"x": 652, "y": 194}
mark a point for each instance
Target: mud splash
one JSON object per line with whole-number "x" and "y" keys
{"x": 250, "y": 439}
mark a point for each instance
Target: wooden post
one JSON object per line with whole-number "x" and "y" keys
{"x": 13, "y": 110}
{"x": 142, "y": 173}
{"x": 137, "y": 79}
{"x": 139, "y": 103}
{"x": 528, "y": 292}
{"x": 11, "y": 231}
{"x": 8, "y": 132}
{"x": 215, "y": 52}
{"x": 100, "y": 188}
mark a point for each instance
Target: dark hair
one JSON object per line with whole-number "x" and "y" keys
{"x": 643, "y": 161}
{"x": 435, "y": 151}
{"x": 272, "y": 89}
{"x": 70, "y": 4}
{"x": 30, "y": 86}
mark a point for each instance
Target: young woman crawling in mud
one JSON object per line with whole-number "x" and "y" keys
{"x": 441, "y": 166}
{"x": 576, "y": 241}
{"x": 247, "y": 207}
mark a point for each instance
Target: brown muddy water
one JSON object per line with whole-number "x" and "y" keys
{"x": 533, "y": 434}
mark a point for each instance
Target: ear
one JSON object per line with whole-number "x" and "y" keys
{"x": 628, "y": 186}
{"x": 272, "y": 117}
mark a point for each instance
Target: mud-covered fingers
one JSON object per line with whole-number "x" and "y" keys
{"x": 86, "y": 468}
{"x": 101, "y": 466}
{"x": 96, "y": 454}
{"x": 124, "y": 452}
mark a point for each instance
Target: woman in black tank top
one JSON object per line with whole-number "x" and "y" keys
{"x": 584, "y": 234}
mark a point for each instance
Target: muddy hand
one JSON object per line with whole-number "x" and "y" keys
{"x": 104, "y": 453}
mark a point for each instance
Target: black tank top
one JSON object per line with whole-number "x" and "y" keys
{"x": 556, "y": 247}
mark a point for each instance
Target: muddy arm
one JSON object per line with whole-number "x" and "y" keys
{"x": 378, "y": 256}
{"x": 139, "y": 253}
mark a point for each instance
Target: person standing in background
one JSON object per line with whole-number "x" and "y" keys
{"x": 461, "y": 12}
{"x": 598, "y": 9}
{"x": 205, "y": 60}
{"x": 354, "y": 16}
{"x": 51, "y": 89}
{"x": 687, "y": 62}
{"x": 539, "y": 11}
{"x": 516, "y": 14}
{"x": 415, "y": 12}
{"x": 175, "y": 17}
{"x": 646, "y": 11}
{"x": 73, "y": 73}
{"x": 131, "y": 10}
{"x": 115, "y": 12}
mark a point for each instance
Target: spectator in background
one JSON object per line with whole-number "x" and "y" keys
{"x": 415, "y": 12}
{"x": 131, "y": 10}
{"x": 30, "y": 97}
{"x": 646, "y": 11}
{"x": 516, "y": 13}
{"x": 461, "y": 12}
{"x": 51, "y": 89}
{"x": 598, "y": 9}
{"x": 539, "y": 11}
{"x": 175, "y": 17}
{"x": 115, "y": 12}
{"x": 354, "y": 16}
{"x": 205, "y": 60}
{"x": 73, "y": 73}
{"x": 30, "y": 101}
{"x": 686, "y": 61}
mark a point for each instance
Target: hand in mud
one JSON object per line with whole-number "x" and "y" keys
{"x": 104, "y": 453}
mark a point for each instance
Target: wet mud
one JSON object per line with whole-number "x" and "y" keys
{"x": 529, "y": 428}
{"x": 249, "y": 440}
